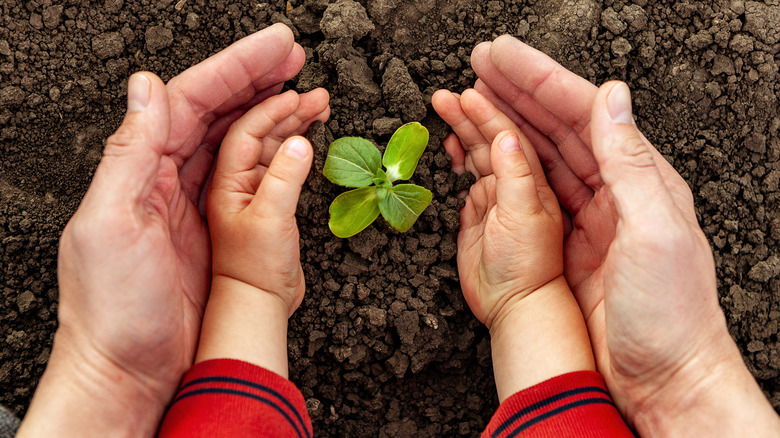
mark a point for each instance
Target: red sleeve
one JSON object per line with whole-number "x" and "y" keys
{"x": 231, "y": 398}
{"x": 572, "y": 405}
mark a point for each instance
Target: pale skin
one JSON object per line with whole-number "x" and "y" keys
{"x": 135, "y": 259}
{"x": 637, "y": 261}
{"x": 510, "y": 248}
{"x": 256, "y": 269}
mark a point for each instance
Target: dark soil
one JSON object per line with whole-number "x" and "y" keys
{"x": 383, "y": 340}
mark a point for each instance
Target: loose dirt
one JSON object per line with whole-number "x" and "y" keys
{"x": 383, "y": 340}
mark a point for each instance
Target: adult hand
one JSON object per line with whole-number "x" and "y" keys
{"x": 134, "y": 265}
{"x": 635, "y": 256}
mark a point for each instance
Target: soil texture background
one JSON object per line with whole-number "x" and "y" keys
{"x": 383, "y": 343}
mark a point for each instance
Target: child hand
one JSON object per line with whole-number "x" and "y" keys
{"x": 254, "y": 195}
{"x": 511, "y": 238}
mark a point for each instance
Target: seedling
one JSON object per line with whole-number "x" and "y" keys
{"x": 356, "y": 162}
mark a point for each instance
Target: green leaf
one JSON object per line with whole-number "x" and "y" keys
{"x": 351, "y": 212}
{"x": 352, "y": 162}
{"x": 404, "y": 150}
{"x": 382, "y": 193}
{"x": 381, "y": 179}
{"x": 403, "y": 204}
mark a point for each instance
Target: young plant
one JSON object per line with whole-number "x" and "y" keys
{"x": 355, "y": 162}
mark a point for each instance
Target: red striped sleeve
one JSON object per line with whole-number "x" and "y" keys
{"x": 572, "y": 405}
{"x": 231, "y": 398}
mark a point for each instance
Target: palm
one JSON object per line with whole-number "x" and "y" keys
{"x": 585, "y": 255}
{"x": 586, "y": 249}
{"x": 493, "y": 271}
{"x": 473, "y": 252}
{"x": 143, "y": 295}
{"x": 135, "y": 260}
{"x": 179, "y": 253}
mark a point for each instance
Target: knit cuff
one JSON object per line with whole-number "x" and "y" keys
{"x": 571, "y": 405}
{"x": 227, "y": 397}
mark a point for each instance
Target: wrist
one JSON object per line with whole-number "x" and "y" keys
{"x": 537, "y": 337}
{"x": 710, "y": 386}
{"x": 245, "y": 323}
{"x": 82, "y": 393}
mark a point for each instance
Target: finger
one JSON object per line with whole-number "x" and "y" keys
{"x": 565, "y": 94}
{"x": 228, "y": 80}
{"x": 453, "y": 147}
{"x": 277, "y": 196}
{"x": 131, "y": 158}
{"x": 242, "y": 147}
{"x": 262, "y": 95}
{"x": 491, "y": 122}
{"x": 678, "y": 188}
{"x": 517, "y": 189}
{"x": 573, "y": 148}
{"x": 626, "y": 160}
{"x": 321, "y": 117}
{"x": 310, "y": 105}
{"x": 571, "y": 191}
{"x": 185, "y": 141}
{"x": 193, "y": 173}
{"x": 502, "y": 106}
{"x": 469, "y": 164}
{"x": 195, "y": 170}
{"x": 477, "y": 147}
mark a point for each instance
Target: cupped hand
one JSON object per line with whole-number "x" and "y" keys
{"x": 135, "y": 259}
{"x": 257, "y": 280}
{"x": 510, "y": 246}
{"x": 511, "y": 235}
{"x": 635, "y": 256}
{"x": 254, "y": 195}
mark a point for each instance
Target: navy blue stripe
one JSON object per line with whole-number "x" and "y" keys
{"x": 242, "y": 394}
{"x": 556, "y": 411}
{"x": 545, "y": 402}
{"x": 255, "y": 386}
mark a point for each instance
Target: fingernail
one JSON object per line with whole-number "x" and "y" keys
{"x": 619, "y": 104}
{"x": 138, "y": 90}
{"x": 510, "y": 144}
{"x": 296, "y": 148}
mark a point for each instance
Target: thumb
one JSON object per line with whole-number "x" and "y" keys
{"x": 516, "y": 187}
{"x": 280, "y": 188}
{"x": 624, "y": 156}
{"x": 131, "y": 158}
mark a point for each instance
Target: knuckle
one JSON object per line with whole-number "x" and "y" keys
{"x": 283, "y": 174}
{"x": 625, "y": 153}
{"x": 521, "y": 169}
{"x": 636, "y": 152}
{"x": 124, "y": 136}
